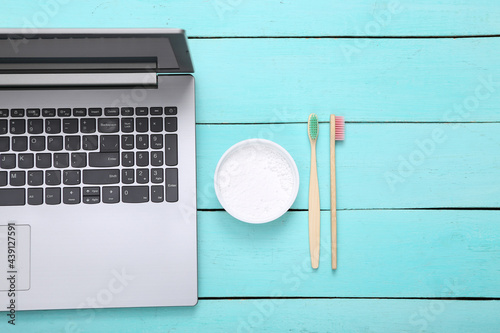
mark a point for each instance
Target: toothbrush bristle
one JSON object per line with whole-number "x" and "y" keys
{"x": 339, "y": 128}
{"x": 313, "y": 126}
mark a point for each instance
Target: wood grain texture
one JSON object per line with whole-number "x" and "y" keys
{"x": 378, "y": 165}
{"x": 271, "y": 316}
{"x": 400, "y": 253}
{"x": 266, "y": 18}
{"x": 382, "y": 253}
{"x": 283, "y": 80}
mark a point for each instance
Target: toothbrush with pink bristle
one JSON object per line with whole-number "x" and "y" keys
{"x": 337, "y": 133}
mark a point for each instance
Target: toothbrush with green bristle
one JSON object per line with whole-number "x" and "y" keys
{"x": 314, "y": 208}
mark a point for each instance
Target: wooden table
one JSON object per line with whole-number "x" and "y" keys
{"x": 418, "y": 175}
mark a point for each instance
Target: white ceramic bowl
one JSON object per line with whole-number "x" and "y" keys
{"x": 262, "y": 193}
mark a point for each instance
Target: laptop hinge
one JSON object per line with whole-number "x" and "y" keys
{"x": 78, "y": 79}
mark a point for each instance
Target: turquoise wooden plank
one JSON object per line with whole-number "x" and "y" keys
{"x": 378, "y": 165}
{"x": 290, "y": 315}
{"x": 266, "y": 18}
{"x": 381, "y": 253}
{"x": 283, "y": 80}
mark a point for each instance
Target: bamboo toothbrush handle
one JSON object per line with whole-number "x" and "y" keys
{"x": 314, "y": 210}
{"x": 333, "y": 192}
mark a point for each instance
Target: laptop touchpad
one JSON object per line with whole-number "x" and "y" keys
{"x": 15, "y": 243}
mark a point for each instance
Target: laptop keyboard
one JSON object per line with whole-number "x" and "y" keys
{"x": 88, "y": 155}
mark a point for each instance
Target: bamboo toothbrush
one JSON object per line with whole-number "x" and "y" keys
{"x": 314, "y": 211}
{"x": 337, "y": 132}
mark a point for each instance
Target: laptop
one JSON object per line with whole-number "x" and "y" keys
{"x": 97, "y": 169}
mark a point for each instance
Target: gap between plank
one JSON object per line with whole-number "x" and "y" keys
{"x": 360, "y": 209}
{"x": 345, "y": 37}
{"x": 361, "y": 122}
{"x": 355, "y": 298}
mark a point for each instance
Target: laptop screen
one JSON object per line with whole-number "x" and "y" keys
{"x": 120, "y": 50}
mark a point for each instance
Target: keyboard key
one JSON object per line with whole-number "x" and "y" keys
{"x": 156, "y": 110}
{"x": 170, "y": 110}
{"x": 156, "y": 158}
{"x": 157, "y": 175}
{"x": 53, "y": 126}
{"x": 35, "y": 178}
{"x": 141, "y": 125}
{"x": 33, "y": 112}
{"x": 17, "y": 113}
{"x": 142, "y": 158}
{"x": 110, "y": 143}
{"x": 127, "y": 159}
{"x": 35, "y": 126}
{"x": 20, "y": 143}
{"x": 171, "y": 176}
{"x": 4, "y": 126}
{"x": 12, "y": 197}
{"x": 127, "y": 125}
{"x": 37, "y": 143}
{"x": 64, "y": 112}
{"x": 17, "y": 126}
{"x": 108, "y": 125}
{"x": 79, "y": 112}
{"x": 53, "y": 196}
{"x": 4, "y": 144}
{"x": 127, "y": 142}
{"x": 26, "y": 161}
{"x": 141, "y": 111}
{"x": 91, "y": 195}
{"x": 135, "y": 194}
{"x": 142, "y": 141}
{"x": 88, "y": 125}
{"x": 142, "y": 176}
{"x": 156, "y": 124}
{"x": 104, "y": 159}
{"x": 111, "y": 111}
{"x": 35, "y": 196}
{"x": 156, "y": 141}
{"x": 61, "y": 160}
{"x": 71, "y": 195}
{"x": 171, "y": 149}
{"x": 71, "y": 177}
{"x": 91, "y": 191}
{"x": 8, "y": 161}
{"x": 78, "y": 160}
{"x": 101, "y": 176}
{"x": 128, "y": 176}
{"x": 55, "y": 143}
{"x": 170, "y": 124}
{"x": 95, "y": 112}
{"x": 17, "y": 178}
{"x": 53, "y": 177}
{"x": 43, "y": 160}
{"x": 72, "y": 142}
{"x": 90, "y": 142}
{"x": 91, "y": 200}
{"x": 4, "y": 113}
{"x": 70, "y": 125}
{"x": 3, "y": 178}
{"x": 49, "y": 112}
{"x": 157, "y": 193}
{"x": 127, "y": 111}
{"x": 110, "y": 194}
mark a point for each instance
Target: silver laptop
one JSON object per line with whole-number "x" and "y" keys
{"x": 97, "y": 169}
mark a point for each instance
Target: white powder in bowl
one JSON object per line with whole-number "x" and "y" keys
{"x": 256, "y": 181}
